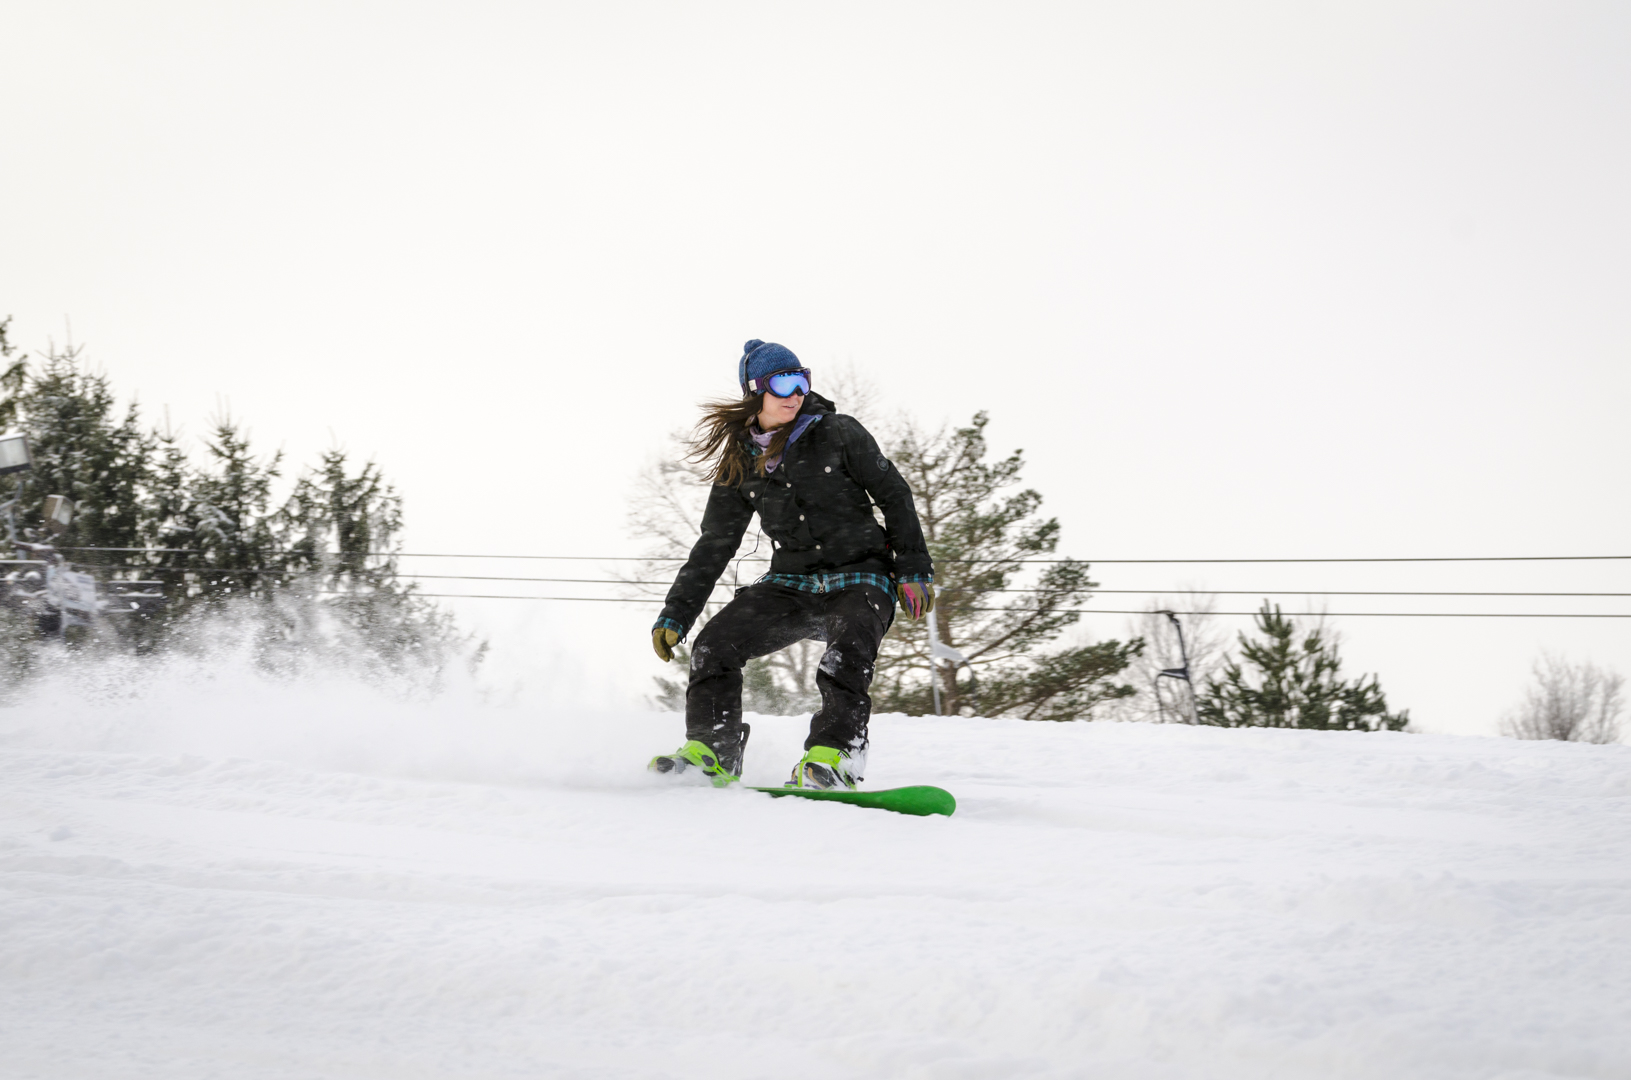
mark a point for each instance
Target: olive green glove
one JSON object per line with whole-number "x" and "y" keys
{"x": 916, "y": 597}
{"x": 663, "y": 640}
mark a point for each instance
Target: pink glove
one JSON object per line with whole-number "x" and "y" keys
{"x": 916, "y": 598}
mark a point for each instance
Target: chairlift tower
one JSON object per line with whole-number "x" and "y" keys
{"x": 1183, "y": 673}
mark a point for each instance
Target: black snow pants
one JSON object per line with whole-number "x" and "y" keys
{"x": 765, "y": 618}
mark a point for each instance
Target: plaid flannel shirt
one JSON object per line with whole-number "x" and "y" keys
{"x": 821, "y": 583}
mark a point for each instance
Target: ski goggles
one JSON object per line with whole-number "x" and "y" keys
{"x": 783, "y": 383}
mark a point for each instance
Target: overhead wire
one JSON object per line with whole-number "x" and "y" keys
{"x": 1113, "y": 611}
{"x": 1095, "y": 562}
{"x": 1097, "y": 591}
{"x": 318, "y": 571}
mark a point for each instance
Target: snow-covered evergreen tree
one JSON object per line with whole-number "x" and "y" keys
{"x": 339, "y": 533}
{"x": 83, "y": 447}
{"x": 314, "y": 575}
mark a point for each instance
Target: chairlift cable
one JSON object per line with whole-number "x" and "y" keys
{"x": 1094, "y": 562}
{"x": 1108, "y": 611}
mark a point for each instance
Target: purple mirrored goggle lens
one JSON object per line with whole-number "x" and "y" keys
{"x": 785, "y": 383}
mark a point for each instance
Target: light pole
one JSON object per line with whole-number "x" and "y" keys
{"x": 938, "y": 651}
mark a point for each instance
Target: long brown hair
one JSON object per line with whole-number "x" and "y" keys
{"x": 723, "y": 431}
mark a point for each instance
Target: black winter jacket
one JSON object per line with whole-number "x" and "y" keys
{"x": 816, "y": 508}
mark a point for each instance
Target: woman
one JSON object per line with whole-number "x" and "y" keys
{"x": 812, "y": 475}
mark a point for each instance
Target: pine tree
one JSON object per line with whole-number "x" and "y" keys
{"x": 990, "y": 605}
{"x": 232, "y": 548}
{"x": 19, "y": 633}
{"x": 83, "y": 449}
{"x": 339, "y": 537}
{"x": 13, "y": 377}
{"x": 1294, "y": 684}
{"x": 316, "y": 575}
{"x": 170, "y": 507}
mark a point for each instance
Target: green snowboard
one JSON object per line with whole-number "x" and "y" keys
{"x": 921, "y": 800}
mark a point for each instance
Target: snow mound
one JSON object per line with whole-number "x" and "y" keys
{"x": 209, "y": 874}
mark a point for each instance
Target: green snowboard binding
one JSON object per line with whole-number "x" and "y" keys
{"x": 824, "y": 768}
{"x": 827, "y": 775}
{"x": 694, "y": 760}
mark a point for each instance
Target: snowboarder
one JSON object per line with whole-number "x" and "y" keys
{"x": 813, "y": 475}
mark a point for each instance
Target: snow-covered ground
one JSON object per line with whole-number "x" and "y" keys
{"x": 224, "y": 878}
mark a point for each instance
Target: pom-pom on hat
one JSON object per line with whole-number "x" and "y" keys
{"x": 762, "y": 358}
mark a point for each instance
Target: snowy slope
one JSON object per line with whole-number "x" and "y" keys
{"x": 222, "y": 880}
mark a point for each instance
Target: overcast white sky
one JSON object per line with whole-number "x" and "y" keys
{"x": 1244, "y": 281}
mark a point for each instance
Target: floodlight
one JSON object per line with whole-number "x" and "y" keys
{"x": 14, "y": 456}
{"x": 59, "y": 512}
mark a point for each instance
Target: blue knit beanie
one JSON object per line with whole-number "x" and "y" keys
{"x": 761, "y": 358}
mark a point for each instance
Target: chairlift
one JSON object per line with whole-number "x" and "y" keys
{"x": 1178, "y": 673}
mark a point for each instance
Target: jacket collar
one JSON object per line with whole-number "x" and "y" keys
{"x": 815, "y": 407}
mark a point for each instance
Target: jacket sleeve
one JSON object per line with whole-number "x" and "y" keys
{"x": 884, "y": 483}
{"x": 723, "y": 523}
